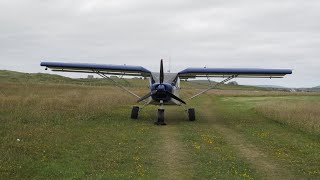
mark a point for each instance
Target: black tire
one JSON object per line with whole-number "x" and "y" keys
{"x": 192, "y": 114}
{"x": 160, "y": 117}
{"x": 135, "y": 112}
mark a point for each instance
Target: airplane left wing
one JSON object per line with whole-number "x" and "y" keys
{"x": 123, "y": 70}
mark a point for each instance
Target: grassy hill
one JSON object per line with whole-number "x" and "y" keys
{"x": 19, "y": 77}
{"x": 13, "y": 76}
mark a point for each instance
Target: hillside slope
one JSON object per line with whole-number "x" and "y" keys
{"x": 19, "y": 77}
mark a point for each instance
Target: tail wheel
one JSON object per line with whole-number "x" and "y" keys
{"x": 192, "y": 114}
{"x": 135, "y": 112}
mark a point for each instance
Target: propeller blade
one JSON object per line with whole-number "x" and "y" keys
{"x": 175, "y": 97}
{"x": 147, "y": 96}
{"x": 161, "y": 72}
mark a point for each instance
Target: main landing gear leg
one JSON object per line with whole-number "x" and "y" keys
{"x": 160, "y": 121}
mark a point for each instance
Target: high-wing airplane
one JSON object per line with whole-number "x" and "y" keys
{"x": 165, "y": 87}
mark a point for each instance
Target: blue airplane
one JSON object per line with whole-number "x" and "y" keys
{"x": 165, "y": 87}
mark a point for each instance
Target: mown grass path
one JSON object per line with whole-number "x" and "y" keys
{"x": 273, "y": 149}
{"x": 175, "y": 158}
{"x": 191, "y": 150}
{"x": 230, "y": 140}
{"x": 258, "y": 159}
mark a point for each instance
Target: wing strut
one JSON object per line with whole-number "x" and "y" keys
{"x": 117, "y": 84}
{"x": 212, "y": 87}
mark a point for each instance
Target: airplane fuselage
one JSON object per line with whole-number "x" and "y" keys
{"x": 171, "y": 84}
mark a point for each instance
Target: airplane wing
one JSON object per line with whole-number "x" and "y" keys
{"x": 235, "y": 72}
{"x": 98, "y": 68}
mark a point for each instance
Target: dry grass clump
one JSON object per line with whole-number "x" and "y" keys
{"x": 41, "y": 102}
{"x": 186, "y": 93}
{"x": 304, "y": 115}
{"x": 248, "y": 93}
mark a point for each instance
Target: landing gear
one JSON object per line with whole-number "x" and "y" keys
{"x": 160, "y": 121}
{"x": 191, "y": 114}
{"x": 135, "y": 112}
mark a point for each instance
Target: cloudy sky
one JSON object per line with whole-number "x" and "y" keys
{"x": 211, "y": 33}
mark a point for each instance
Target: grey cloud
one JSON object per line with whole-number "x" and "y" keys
{"x": 215, "y": 33}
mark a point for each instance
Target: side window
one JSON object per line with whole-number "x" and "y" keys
{"x": 152, "y": 80}
{"x": 174, "y": 82}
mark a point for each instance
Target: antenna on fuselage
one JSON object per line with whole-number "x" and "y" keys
{"x": 169, "y": 70}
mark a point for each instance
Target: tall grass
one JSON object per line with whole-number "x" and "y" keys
{"x": 34, "y": 101}
{"x": 304, "y": 115}
{"x": 258, "y": 93}
{"x": 70, "y": 131}
{"x": 190, "y": 91}
{"x": 42, "y": 100}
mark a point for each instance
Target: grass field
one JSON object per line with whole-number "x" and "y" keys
{"x": 73, "y": 130}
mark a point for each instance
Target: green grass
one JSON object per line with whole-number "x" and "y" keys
{"x": 291, "y": 146}
{"x": 47, "y": 134}
{"x": 203, "y": 84}
{"x": 298, "y": 112}
{"x": 213, "y": 157}
{"x": 51, "y": 130}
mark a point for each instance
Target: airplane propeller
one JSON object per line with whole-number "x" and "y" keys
{"x": 175, "y": 97}
{"x": 161, "y": 88}
{"x": 161, "y": 72}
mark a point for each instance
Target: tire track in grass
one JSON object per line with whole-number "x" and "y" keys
{"x": 174, "y": 158}
{"x": 259, "y": 160}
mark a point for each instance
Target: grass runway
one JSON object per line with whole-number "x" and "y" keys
{"x": 54, "y": 131}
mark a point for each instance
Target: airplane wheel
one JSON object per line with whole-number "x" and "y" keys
{"x": 192, "y": 114}
{"x": 160, "y": 117}
{"x": 135, "y": 112}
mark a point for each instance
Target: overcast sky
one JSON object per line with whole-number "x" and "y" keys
{"x": 211, "y": 33}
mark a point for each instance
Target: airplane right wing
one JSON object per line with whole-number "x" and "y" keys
{"x": 235, "y": 72}
{"x": 230, "y": 73}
